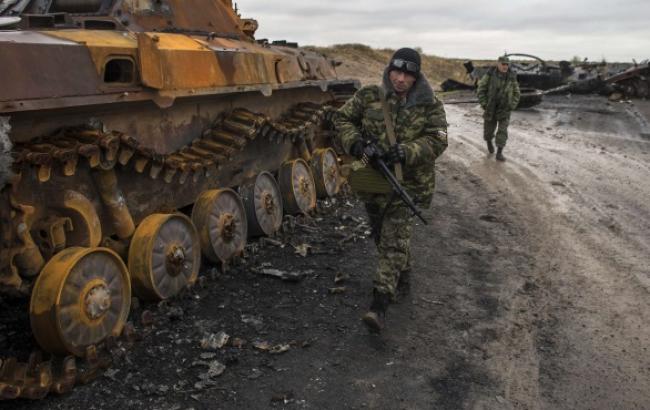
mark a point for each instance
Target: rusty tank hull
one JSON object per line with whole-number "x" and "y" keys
{"x": 138, "y": 138}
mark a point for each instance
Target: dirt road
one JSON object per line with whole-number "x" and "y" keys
{"x": 531, "y": 291}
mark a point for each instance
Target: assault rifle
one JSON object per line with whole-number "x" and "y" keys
{"x": 372, "y": 155}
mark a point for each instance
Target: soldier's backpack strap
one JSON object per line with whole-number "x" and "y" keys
{"x": 390, "y": 130}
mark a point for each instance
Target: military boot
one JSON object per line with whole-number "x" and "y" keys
{"x": 376, "y": 316}
{"x": 490, "y": 147}
{"x": 500, "y": 156}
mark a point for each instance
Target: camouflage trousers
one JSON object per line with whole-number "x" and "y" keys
{"x": 498, "y": 125}
{"x": 392, "y": 235}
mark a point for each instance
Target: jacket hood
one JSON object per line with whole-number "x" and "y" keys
{"x": 421, "y": 93}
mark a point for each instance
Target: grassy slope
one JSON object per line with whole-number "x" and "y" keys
{"x": 367, "y": 64}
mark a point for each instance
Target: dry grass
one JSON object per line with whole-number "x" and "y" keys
{"x": 367, "y": 64}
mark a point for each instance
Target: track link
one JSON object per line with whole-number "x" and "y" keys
{"x": 201, "y": 158}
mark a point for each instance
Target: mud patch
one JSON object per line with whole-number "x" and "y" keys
{"x": 459, "y": 379}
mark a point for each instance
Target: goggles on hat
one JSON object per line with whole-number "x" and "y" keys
{"x": 404, "y": 65}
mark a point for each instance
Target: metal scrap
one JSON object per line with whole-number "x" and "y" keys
{"x": 292, "y": 276}
{"x": 215, "y": 341}
{"x": 303, "y": 249}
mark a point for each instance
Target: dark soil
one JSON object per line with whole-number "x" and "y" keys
{"x": 522, "y": 295}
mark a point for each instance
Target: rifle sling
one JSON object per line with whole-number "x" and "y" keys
{"x": 390, "y": 130}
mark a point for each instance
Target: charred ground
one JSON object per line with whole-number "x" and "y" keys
{"x": 530, "y": 291}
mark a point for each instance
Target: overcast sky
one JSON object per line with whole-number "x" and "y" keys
{"x": 552, "y": 29}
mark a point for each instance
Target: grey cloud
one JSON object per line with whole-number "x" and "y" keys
{"x": 467, "y": 28}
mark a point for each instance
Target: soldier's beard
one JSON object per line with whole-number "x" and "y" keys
{"x": 401, "y": 89}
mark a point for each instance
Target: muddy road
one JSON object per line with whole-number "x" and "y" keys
{"x": 530, "y": 291}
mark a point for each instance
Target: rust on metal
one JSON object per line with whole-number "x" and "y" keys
{"x": 143, "y": 108}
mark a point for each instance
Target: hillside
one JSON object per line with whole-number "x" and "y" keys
{"x": 367, "y": 64}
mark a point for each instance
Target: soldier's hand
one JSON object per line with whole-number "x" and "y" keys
{"x": 356, "y": 150}
{"x": 396, "y": 154}
{"x": 370, "y": 152}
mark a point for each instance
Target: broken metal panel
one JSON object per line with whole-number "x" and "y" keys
{"x": 102, "y": 44}
{"x": 64, "y": 68}
{"x": 183, "y": 15}
{"x": 638, "y": 71}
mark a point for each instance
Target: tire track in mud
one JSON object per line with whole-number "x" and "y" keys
{"x": 490, "y": 262}
{"x": 587, "y": 352}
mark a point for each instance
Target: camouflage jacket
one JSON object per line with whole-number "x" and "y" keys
{"x": 498, "y": 94}
{"x": 420, "y": 126}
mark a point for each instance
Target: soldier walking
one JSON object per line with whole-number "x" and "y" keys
{"x": 404, "y": 109}
{"x": 498, "y": 94}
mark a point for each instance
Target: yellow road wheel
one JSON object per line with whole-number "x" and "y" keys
{"x": 164, "y": 256}
{"x": 327, "y": 176}
{"x": 263, "y": 203}
{"x": 81, "y": 297}
{"x": 220, "y": 218}
{"x": 297, "y": 187}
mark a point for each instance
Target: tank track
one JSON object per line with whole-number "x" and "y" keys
{"x": 36, "y": 378}
{"x": 201, "y": 158}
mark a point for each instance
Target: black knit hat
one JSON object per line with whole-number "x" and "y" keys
{"x": 402, "y": 57}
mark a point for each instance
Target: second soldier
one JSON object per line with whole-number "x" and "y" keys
{"x": 498, "y": 94}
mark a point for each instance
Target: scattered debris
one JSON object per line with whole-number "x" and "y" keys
{"x": 251, "y": 320}
{"x": 270, "y": 241}
{"x": 302, "y": 250}
{"x": 215, "y": 341}
{"x": 215, "y": 369}
{"x": 281, "y": 348}
{"x": 284, "y": 275}
{"x": 337, "y": 290}
{"x": 262, "y": 345}
{"x": 341, "y": 277}
{"x": 285, "y": 397}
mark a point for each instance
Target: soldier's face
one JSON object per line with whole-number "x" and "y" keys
{"x": 402, "y": 82}
{"x": 503, "y": 67}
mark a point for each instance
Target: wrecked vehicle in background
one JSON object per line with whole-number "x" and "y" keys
{"x": 532, "y": 78}
{"x": 615, "y": 80}
{"x": 620, "y": 82}
{"x": 633, "y": 82}
{"x": 536, "y": 74}
{"x": 146, "y": 134}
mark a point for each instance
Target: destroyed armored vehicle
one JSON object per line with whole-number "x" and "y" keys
{"x": 532, "y": 72}
{"x": 138, "y": 137}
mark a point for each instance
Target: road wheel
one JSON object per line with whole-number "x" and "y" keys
{"x": 297, "y": 187}
{"x": 263, "y": 203}
{"x": 164, "y": 256}
{"x": 327, "y": 176}
{"x": 81, "y": 297}
{"x": 220, "y": 218}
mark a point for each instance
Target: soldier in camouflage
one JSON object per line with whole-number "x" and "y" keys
{"x": 498, "y": 94}
{"x": 421, "y": 131}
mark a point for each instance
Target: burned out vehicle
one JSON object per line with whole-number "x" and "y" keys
{"x": 532, "y": 71}
{"x": 136, "y": 138}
